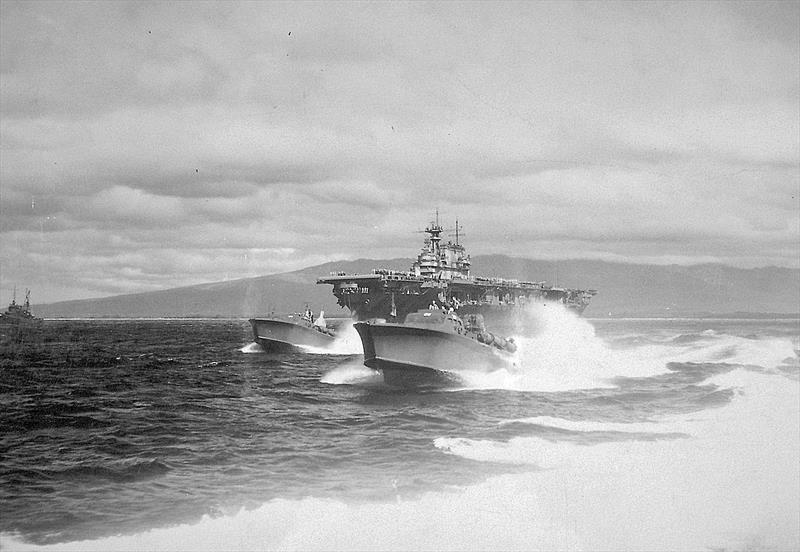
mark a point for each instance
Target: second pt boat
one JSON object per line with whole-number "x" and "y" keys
{"x": 294, "y": 332}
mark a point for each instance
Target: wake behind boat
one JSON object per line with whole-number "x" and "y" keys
{"x": 432, "y": 345}
{"x": 294, "y": 332}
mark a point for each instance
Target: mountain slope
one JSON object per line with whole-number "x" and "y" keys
{"x": 661, "y": 290}
{"x": 624, "y": 289}
{"x": 287, "y": 292}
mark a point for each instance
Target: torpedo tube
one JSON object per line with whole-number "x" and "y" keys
{"x": 501, "y": 343}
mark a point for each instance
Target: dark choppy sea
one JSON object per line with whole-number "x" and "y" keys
{"x": 610, "y": 435}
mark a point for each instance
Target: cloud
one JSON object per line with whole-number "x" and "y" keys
{"x": 144, "y": 143}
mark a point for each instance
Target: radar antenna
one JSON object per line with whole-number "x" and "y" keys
{"x": 458, "y": 231}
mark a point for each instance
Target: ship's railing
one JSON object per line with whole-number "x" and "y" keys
{"x": 393, "y": 274}
{"x": 447, "y": 275}
{"x": 504, "y": 282}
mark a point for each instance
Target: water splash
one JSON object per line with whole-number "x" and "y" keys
{"x": 560, "y": 351}
{"x": 731, "y": 483}
{"x": 347, "y": 342}
{"x": 251, "y": 348}
{"x": 352, "y": 373}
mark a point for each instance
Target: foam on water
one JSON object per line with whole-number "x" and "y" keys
{"x": 728, "y": 482}
{"x": 732, "y": 484}
{"x": 765, "y": 353}
{"x": 252, "y": 348}
{"x": 352, "y": 373}
{"x": 562, "y": 352}
{"x": 347, "y": 342}
{"x": 584, "y": 425}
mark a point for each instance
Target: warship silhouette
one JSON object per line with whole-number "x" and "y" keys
{"x": 17, "y": 323}
{"x": 440, "y": 278}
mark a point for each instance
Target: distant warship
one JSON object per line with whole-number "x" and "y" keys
{"x": 440, "y": 278}
{"x": 17, "y": 324}
{"x": 17, "y": 316}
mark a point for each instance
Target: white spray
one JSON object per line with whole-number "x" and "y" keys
{"x": 560, "y": 351}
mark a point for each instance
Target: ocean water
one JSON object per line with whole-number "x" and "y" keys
{"x": 636, "y": 434}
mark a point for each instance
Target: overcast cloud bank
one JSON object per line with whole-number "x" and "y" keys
{"x": 148, "y": 146}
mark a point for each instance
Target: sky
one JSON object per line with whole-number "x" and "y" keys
{"x": 146, "y": 146}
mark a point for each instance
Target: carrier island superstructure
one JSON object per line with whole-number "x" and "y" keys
{"x": 440, "y": 278}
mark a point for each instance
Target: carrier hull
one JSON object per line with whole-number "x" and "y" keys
{"x": 393, "y": 295}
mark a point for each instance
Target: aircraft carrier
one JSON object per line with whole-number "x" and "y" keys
{"x": 440, "y": 278}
